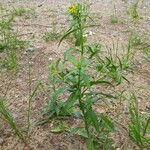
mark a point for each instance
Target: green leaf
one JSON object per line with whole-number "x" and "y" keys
{"x": 53, "y": 107}
{"x": 78, "y": 131}
{"x": 60, "y": 128}
{"x": 86, "y": 79}
{"x": 100, "y": 82}
{"x": 93, "y": 50}
{"x": 85, "y": 62}
{"x": 67, "y": 34}
{"x": 46, "y": 119}
{"x": 10, "y": 120}
{"x": 135, "y": 134}
{"x": 90, "y": 144}
{"x": 73, "y": 30}
{"x": 78, "y": 41}
{"x": 69, "y": 57}
{"x": 146, "y": 126}
{"x": 108, "y": 122}
{"x": 71, "y": 100}
{"x": 57, "y": 93}
{"x": 73, "y": 60}
{"x": 91, "y": 115}
{"x": 107, "y": 95}
{"x": 94, "y": 119}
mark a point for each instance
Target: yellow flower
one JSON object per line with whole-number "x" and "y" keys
{"x": 72, "y": 9}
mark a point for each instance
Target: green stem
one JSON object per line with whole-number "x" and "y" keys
{"x": 29, "y": 101}
{"x": 82, "y": 104}
{"x": 79, "y": 79}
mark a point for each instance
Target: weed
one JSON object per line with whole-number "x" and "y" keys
{"x": 113, "y": 67}
{"x": 134, "y": 40}
{"x": 139, "y": 125}
{"x": 18, "y": 12}
{"x": 113, "y": 17}
{"x": 9, "y": 44}
{"x": 22, "y": 12}
{"x": 148, "y": 56}
{"x": 126, "y": 60}
{"x": 76, "y": 84}
{"x": 53, "y": 36}
{"x": 8, "y": 118}
{"x": 133, "y": 10}
{"x": 147, "y": 53}
{"x": 32, "y": 92}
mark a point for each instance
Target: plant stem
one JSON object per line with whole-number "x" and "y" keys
{"x": 82, "y": 104}
{"x": 29, "y": 101}
{"x": 79, "y": 79}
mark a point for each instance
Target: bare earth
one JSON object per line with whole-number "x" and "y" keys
{"x": 16, "y": 86}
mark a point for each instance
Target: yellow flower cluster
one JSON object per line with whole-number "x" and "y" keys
{"x": 72, "y": 9}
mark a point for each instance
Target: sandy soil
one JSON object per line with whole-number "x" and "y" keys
{"x": 15, "y": 87}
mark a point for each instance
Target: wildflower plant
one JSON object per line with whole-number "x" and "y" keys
{"x": 75, "y": 78}
{"x": 73, "y": 9}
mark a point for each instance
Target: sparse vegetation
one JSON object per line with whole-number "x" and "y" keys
{"x": 7, "y": 116}
{"x": 140, "y": 124}
{"x": 134, "y": 10}
{"x": 51, "y": 36}
{"x": 147, "y": 53}
{"x": 9, "y": 44}
{"x": 134, "y": 40}
{"x": 23, "y": 12}
{"x": 18, "y": 12}
{"x": 76, "y": 82}
{"x": 114, "y": 17}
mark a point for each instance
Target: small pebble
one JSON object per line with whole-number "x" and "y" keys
{"x": 50, "y": 58}
{"x": 1, "y": 141}
{"x": 31, "y": 62}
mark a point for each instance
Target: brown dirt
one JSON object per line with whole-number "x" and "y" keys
{"x": 15, "y": 87}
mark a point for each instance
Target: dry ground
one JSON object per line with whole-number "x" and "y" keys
{"x": 16, "y": 86}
